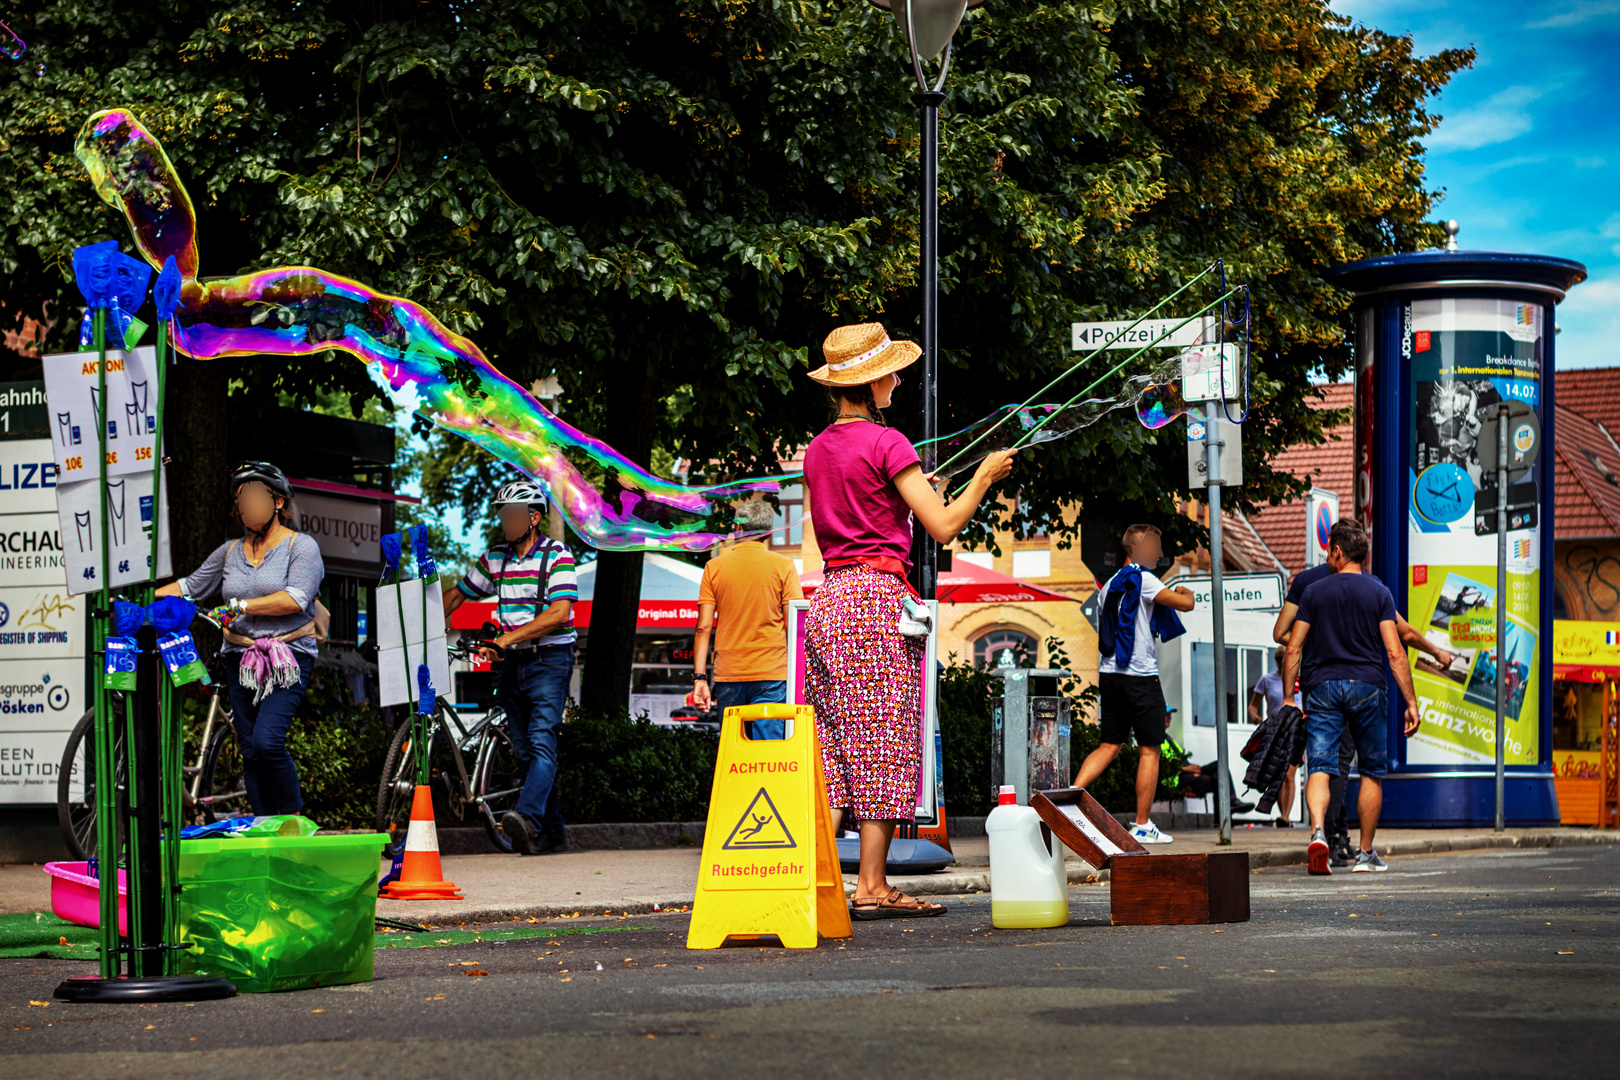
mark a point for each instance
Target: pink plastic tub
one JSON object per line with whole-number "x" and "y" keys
{"x": 76, "y": 896}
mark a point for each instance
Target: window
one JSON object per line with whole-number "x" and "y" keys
{"x": 789, "y": 518}
{"x": 1005, "y": 648}
{"x": 975, "y": 558}
{"x": 1033, "y": 563}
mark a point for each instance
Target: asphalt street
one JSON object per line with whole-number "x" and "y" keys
{"x": 1487, "y": 963}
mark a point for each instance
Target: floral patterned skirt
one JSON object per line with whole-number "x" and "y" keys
{"x": 861, "y": 676}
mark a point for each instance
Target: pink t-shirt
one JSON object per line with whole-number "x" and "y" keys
{"x": 849, "y": 471}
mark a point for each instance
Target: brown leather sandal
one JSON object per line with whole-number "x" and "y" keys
{"x": 896, "y": 905}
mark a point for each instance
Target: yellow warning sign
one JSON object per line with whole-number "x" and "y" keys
{"x": 770, "y": 863}
{"x": 759, "y": 827}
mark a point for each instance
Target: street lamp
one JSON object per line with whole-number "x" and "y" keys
{"x": 928, "y": 26}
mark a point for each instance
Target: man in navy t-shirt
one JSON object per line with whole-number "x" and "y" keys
{"x": 1338, "y": 832}
{"x": 1350, "y": 620}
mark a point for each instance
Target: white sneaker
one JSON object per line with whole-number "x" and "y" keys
{"x": 1150, "y": 834}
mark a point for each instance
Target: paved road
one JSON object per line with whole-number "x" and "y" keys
{"x": 1479, "y": 963}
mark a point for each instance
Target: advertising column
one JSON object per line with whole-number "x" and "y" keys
{"x": 42, "y": 628}
{"x": 1468, "y": 356}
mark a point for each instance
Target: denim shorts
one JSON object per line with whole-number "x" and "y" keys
{"x": 1338, "y": 705}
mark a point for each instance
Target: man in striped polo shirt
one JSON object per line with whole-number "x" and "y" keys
{"x": 532, "y": 580}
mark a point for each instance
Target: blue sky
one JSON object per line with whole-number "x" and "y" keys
{"x": 1528, "y": 152}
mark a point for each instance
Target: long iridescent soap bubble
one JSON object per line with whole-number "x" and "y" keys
{"x": 422, "y": 365}
{"x": 10, "y": 44}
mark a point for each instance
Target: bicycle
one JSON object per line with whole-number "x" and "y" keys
{"x": 215, "y": 789}
{"x": 491, "y": 788}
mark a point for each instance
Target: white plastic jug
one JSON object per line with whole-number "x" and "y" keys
{"x": 1028, "y": 885}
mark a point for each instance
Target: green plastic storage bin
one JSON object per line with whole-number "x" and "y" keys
{"x": 280, "y": 913}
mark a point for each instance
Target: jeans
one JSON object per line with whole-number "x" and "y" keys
{"x": 268, "y": 772}
{"x": 1337, "y": 822}
{"x": 532, "y": 689}
{"x": 1340, "y": 704}
{"x": 731, "y": 694}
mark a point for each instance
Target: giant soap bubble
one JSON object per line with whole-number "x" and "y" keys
{"x": 422, "y": 365}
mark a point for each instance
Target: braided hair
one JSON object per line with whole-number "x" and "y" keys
{"x": 860, "y": 394}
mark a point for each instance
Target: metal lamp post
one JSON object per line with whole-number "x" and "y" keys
{"x": 928, "y": 26}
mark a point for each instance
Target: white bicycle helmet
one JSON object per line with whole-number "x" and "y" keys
{"x": 523, "y": 492}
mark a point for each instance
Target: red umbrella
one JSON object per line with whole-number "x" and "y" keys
{"x": 969, "y": 583}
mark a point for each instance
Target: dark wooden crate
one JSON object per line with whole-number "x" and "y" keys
{"x": 1154, "y": 890}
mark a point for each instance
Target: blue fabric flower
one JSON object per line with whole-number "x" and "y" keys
{"x": 390, "y": 553}
{"x": 166, "y": 293}
{"x": 92, "y": 272}
{"x": 424, "y": 684}
{"x": 172, "y": 614}
{"x": 425, "y": 566}
{"x": 130, "y": 278}
{"x": 127, "y": 618}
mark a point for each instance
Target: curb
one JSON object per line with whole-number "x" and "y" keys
{"x": 1295, "y": 855}
{"x": 954, "y": 884}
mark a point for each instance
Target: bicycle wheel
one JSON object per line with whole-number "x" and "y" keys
{"x": 398, "y": 787}
{"x": 498, "y": 779}
{"x": 222, "y": 793}
{"x": 76, "y": 785}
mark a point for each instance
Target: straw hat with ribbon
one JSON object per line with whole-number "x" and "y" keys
{"x": 862, "y": 353}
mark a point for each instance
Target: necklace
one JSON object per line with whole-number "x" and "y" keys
{"x": 855, "y": 416}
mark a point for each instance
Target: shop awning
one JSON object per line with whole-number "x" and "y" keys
{"x": 669, "y": 590}
{"x": 1587, "y": 673}
{"x": 969, "y": 583}
{"x": 1586, "y": 651}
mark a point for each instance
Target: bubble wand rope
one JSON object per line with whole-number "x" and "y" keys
{"x": 1033, "y": 431}
{"x": 1085, "y": 360}
{"x": 1048, "y": 419}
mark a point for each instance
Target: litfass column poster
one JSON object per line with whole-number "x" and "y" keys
{"x": 1467, "y": 357}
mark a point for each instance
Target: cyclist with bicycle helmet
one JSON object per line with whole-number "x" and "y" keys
{"x": 531, "y": 577}
{"x": 270, "y": 582}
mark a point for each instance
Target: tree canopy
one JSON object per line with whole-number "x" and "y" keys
{"x": 668, "y": 205}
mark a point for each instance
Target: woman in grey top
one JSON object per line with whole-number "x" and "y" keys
{"x": 270, "y": 581}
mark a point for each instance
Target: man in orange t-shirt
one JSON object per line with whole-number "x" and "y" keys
{"x": 750, "y": 586}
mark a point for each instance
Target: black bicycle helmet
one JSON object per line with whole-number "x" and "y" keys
{"x": 262, "y": 471}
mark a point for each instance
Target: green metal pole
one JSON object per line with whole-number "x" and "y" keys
{"x": 171, "y": 737}
{"x": 108, "y": 824}
{"x": 422, "y": 776}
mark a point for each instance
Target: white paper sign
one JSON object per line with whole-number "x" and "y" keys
{"x": 400, "y": 654}
{"x": 129, "y": 523}
{"x": 1092, "y": 833}
{"x": 75, "y": 410}
{"x": 409, "y": 600}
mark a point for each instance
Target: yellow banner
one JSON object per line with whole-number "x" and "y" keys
{"x": 1596, "y": 643}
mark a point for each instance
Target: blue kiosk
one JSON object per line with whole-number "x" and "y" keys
{"x": 1441, "y": 339}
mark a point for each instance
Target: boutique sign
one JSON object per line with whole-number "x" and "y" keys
{"x": 346, "y": 531}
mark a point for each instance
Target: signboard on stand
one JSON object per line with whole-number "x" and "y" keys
{"x": 42, "y": 628}
{"x": 75, "y": 411}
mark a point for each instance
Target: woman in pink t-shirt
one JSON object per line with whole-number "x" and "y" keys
{"x": 864, "y": 482}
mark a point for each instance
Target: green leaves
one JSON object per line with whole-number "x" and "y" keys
{"x": 717, "y": 183}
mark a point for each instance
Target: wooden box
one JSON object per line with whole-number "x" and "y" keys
{"x": 1146, "y": 889}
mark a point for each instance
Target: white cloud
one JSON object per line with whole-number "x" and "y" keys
{"x": 1590, "y": 325}
{"x": 1509, "y": 163}
{"x": 1499, "y": 118}
{"x": 1576, "y": 13}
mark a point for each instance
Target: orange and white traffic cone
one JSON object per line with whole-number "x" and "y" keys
{"x": 420, "y": 876}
